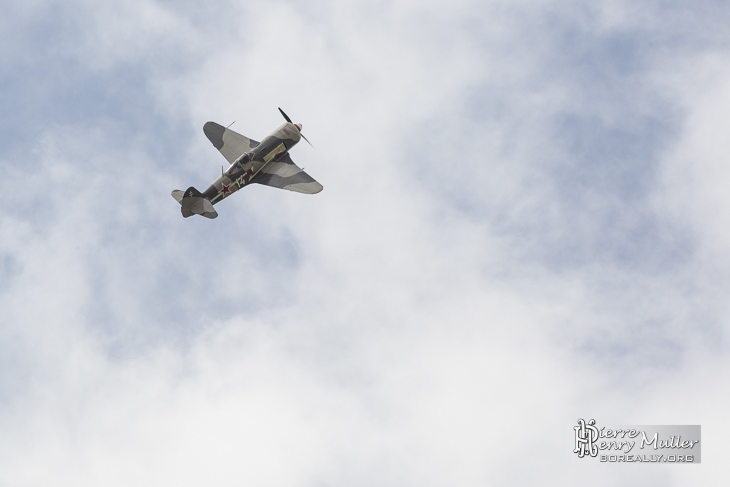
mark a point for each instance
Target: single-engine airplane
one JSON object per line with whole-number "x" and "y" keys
{"x": 266, "y": 162}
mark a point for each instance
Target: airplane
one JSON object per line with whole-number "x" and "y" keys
{"x": 266, "y": 162}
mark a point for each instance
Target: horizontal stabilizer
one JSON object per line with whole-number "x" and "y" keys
{"x": 194, "y": 203}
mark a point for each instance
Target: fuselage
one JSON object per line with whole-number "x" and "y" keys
{"x": 271, "y": 149}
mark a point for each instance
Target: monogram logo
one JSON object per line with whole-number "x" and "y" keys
{"x": 586, "y": 435}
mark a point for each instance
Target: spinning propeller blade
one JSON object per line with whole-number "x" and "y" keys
{"x": 303, "y": 137}
{"x": 286, "y": 117}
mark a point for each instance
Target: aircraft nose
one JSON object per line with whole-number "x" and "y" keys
{"x": 298, "y": 126}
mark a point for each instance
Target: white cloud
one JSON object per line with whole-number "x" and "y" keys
{"x": 477, "y": 274}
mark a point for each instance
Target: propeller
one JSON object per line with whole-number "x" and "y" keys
{"x": 286, "y": 117}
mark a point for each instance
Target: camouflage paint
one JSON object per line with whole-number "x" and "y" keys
{"x": 266, "y": 162}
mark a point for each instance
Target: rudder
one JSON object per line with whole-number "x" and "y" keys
{"x": 193, "y": 202}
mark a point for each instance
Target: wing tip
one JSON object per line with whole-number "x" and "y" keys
{"x": 214, "y": 132}
{"x": 304, "y": 188}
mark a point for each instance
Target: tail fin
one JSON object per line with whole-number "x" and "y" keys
{"x": 194, "y": 203}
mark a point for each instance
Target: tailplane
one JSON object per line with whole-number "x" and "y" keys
{"x": 194, "y": 203}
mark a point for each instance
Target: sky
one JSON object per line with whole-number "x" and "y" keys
{"x": 524, "y": 222}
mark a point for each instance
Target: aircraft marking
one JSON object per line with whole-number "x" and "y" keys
{"x": 275, "y": 152}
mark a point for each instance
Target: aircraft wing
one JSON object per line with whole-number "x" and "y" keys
{"x": 285, "y": 174}
{"x": 231, "y": 144}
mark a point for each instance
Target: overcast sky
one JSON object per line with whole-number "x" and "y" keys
{"x": 525, "y": 221}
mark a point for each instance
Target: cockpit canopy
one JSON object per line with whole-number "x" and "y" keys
{"x": 245, "y": 157}
{"x": 240, "y": 163}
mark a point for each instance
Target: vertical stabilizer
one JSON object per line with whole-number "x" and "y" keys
{"x": 194, "y": 203}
